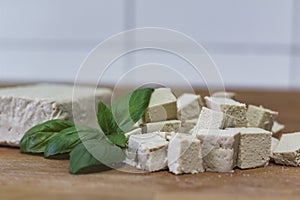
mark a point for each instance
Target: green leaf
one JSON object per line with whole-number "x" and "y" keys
{"x": 106, "y": 120}
{"x": 95, "y": 152}
{"x": 117, "y": 139}
{"x": 130, "y": 108}
{"x": 139, "y": 102}
{"x": 68, "y": 138}
{"x": 36, "y": 138}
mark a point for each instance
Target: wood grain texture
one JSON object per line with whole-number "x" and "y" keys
{"x": 33, "y": 177}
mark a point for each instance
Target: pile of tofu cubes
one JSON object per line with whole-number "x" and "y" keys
{"x": 185, "y": 135}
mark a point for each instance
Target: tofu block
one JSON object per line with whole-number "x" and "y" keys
{"x": 162, "y": 106}
{"x": 219, "y": 149}
{"x": 261, "y": 117}
{"x": 287, "y": 151}
{"x": 189, "y": 106}
{"x": 23, "y": 107}
{"x": 147, "y": 152}
{"x": 254, "y": 148}
{"x": 165, "y": 126}
{"x": 184, "y": 154}
{"x": 235, "y": 110}
{"x": 211, "y": 119}
{"x": 135, "y": 131}
{"x": 188, "y": 125}
{"x": 228, "y": 95}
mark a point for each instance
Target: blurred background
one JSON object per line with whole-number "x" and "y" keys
{"x": 255, "y": 43}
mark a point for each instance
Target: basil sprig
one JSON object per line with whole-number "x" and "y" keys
{"x": 88, "y": 146}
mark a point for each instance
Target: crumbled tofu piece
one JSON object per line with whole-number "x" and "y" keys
{"x": 219, "y": 149}
{"x": 211, "y": 119}
{"x": 189, "y": 106}
{"x": 23, "y": 107}
{"x": 287, "y": 151}
{"x": 261, "y": 117}
{"x": 254, "y": 148}
{"x": 237, "y": 111}
{"x": 184, "y": 154}
{"x": 164, "y": 126}
{"x": 147, "y": 152}
{"x": 134, "y": 131}
{"x": 188, "y": 125}
{"x": 162, "y": 106}
{"x": 229, "y": 95}
{"x": 277, "y": 128}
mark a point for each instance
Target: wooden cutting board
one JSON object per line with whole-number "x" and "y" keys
{"x": 33, "y": 177}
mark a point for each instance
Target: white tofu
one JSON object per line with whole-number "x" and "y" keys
{"x": 164, "y": 126}
{"x": 254, "y": 148}
{"x": 219, "y": 149}
{"x": 211, "y": 119}
{"x": 188, "y": 125}
{"x": 189, "y": 106}
{"x": 237, "y": 111}
{"x": 162, "y": 106}
{"x": 261, "y": 117}
{"x": 229, "y": 95}
{"x": 184, "y": 154}
{"x": 287, "y": 151}
{"x": 147, "y": 152}
{"x": 134, "y": 131}
{"x": 23, "y": 107}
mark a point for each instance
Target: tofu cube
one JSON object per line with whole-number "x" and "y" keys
{"x": 188, "y": 125}
{"x": 164, "y": 126}
{"x": 228, "y": 95}
{"x": 211, "y": 119}
{"x": 184, "y": 154}
{"x": 235, "y": 110}
{"x": 261, "y": 117}
{"x": 189, "y": 106}
{"x": 147, "y": 152}
{"x": 219, "y": 149}
{"x": 162, "y": 106}
{"x": 287, "y": 151}
{"x": 254, "y": 148}
{"x": 23, "y": 107}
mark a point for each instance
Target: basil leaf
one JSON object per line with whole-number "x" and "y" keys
{"x": 100, "y": 152}
{"x": 106, "y": 120}
{"x": 36, "y": 138}
{"x": 130, "y": 108}
{"x": 139, "y": 102}
{"x": 117, "y": 139}
{"x": 68, "y": 138}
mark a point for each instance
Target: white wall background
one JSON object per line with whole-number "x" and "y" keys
{"x": 255, "y": 43}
